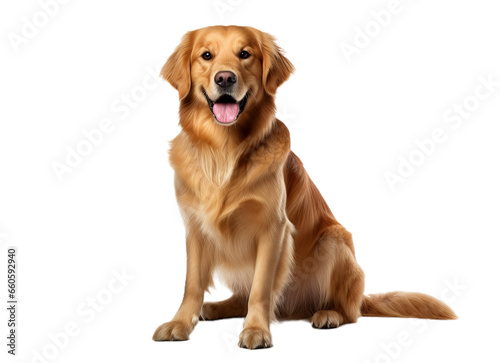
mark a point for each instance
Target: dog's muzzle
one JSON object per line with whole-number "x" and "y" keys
{"x": 226, "y": 109}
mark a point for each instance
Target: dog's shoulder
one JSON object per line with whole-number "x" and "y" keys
{"x": 272, "y": 148}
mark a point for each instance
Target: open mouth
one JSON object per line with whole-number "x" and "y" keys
{"x": 226, "y": 109}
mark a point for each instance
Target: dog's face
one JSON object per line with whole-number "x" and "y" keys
{"x": 227, "y": 69}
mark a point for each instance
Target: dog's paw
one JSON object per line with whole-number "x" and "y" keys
{"x": 254, "y": 338}
{"x": 326, "y": 319}
{"x": 210, "y": 311}
{"x": 173, "y": 330}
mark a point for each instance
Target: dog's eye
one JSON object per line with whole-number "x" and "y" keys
{"x": 244, "y": 54}
{"x": 206, "y": 56}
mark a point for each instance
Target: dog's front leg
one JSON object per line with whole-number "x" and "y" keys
{"x": 256, "y": 332}
{"x": 198, "y": 276}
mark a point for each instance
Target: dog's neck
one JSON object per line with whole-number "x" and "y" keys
{"x": 217, "y": 149}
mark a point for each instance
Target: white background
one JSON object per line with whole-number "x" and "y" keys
{"x": 350, "y": 121}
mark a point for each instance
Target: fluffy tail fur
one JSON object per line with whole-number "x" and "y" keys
{"x": 406, "y": 305}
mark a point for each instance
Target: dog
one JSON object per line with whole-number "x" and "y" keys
{"x": 250, "y": 210}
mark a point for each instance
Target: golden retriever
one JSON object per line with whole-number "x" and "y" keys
{"x": 250, "y": 210}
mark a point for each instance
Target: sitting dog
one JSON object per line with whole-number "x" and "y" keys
{"x": 250, "y": 210}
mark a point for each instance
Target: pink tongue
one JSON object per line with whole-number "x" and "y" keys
{"x": 226, "y": 112}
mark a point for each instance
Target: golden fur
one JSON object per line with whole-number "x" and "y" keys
{"x": 250, "y": 209}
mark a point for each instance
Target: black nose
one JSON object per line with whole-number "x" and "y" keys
{"x": 225, "y": 79}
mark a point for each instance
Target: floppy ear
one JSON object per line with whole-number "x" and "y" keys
{"x": 177, "y": 70}
{"x": 276, "y": 68}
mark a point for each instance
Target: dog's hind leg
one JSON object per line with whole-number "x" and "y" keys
{"x": 345, "y": 283}
{"x": 234, "y": 307}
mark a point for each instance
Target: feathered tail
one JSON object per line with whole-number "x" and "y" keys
{"x": 406, "y": 305}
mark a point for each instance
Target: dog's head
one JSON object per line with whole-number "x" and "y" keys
{"x": 228, "y": 69}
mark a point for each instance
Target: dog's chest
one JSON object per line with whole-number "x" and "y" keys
{"x": 204, "y": 192}
{"x": 209, "y": 209}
